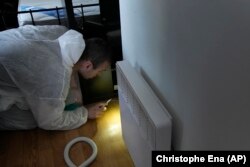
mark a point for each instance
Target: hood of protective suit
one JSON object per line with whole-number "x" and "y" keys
{"x": 72, "y": 46}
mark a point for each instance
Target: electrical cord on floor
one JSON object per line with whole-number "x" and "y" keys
{"x": 71, "y": 143}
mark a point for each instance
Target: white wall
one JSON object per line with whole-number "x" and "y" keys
{"x": 196, "y": 55}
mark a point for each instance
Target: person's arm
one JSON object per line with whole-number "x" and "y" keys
{"x": 50, "y": 115}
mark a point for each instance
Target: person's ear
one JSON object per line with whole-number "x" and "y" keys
{"x": 87, "y": 65}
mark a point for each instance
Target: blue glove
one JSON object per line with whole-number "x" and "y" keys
{"x": 72, "y": 106}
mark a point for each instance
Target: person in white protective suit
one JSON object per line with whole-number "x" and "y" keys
{"x": 38, "y": 70}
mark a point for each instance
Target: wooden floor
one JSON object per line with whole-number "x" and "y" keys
{"x": 40, "y": 148}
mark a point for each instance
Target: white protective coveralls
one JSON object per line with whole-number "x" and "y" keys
{"x": 35, "y": 70}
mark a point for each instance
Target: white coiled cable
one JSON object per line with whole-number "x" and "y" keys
{"x": 72, "y": 142}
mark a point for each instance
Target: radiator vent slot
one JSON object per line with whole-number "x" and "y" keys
{"x": 143, "y": 121}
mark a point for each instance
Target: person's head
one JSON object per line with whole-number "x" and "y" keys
{"x": 96, "y": 58}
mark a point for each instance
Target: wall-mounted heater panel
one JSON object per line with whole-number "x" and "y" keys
{"x": 146, "y": 124}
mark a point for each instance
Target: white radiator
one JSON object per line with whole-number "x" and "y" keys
{"x": 146, "y": 124}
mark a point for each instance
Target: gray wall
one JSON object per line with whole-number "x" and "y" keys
{"x": 196, "y": 56}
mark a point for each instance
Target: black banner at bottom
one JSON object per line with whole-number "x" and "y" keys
{"x": 200, "y": 158}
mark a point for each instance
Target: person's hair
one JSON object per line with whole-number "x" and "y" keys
{"x": 97, "y": 51}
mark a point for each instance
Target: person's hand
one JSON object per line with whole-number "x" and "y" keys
{"x": 95, "y": 110}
